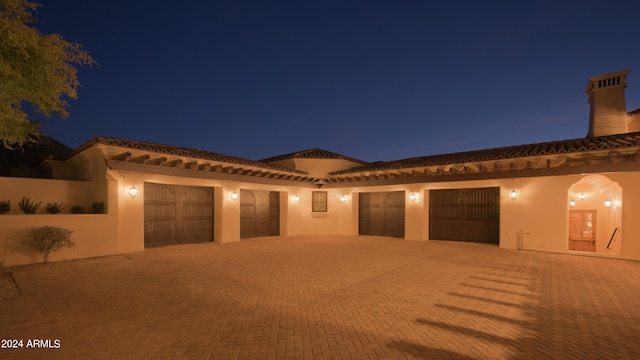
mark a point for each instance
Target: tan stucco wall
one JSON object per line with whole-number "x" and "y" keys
{"x": 95, "y": 234}
{"x": 633, "y": 122}
{"x": 302, "y": 220}
{"x": 69, "y": 193}
{"x": 318, "y": 168}
{"x": 226, "y": 213}
{"x": 536, "y": 220}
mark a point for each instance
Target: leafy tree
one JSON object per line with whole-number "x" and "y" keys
{"x": 34, "y": 68}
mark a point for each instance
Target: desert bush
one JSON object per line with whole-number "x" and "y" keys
{"x": 97, "y": 208}
{"x": 54, "y": 208}
{"x": 77, "y": 209}
{"x": 5, "y": 207}
{"x": 27, "y": 206}
{"x": 49, "y": 239}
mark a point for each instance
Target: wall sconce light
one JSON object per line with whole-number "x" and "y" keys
{"x": 233, "y": 196}
{"x": 608, "y": 203}
{"x": 295, "y": 199}
{"x": 572, "y": 203}
{"x": 513, "y": 195}
{"x": 132, "y": 191}
{"x": 582, "y": 196}
{"x": 413, "y": 197}
{"x": 344, "y": 198}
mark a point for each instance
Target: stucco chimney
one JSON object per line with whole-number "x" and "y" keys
{"x": 608, "y": 109}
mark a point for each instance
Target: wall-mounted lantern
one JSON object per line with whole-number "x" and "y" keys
{"x": 413, "y": 197}
{"x": 344, "y": 199}
{"x": 132, "y": 191}
{"x": 233, "y": 196}
{"x": 582, "y": 196}
{"x": 608, "y": 203}
{"x": 513, "y": 195}
{"x": 572, "y": 203}
{"x": 295, "y": 199}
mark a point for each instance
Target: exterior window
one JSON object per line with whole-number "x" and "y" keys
{"x": 319, "y": 203}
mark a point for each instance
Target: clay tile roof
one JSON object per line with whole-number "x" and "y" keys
{"x": 179, "y": 151}
{"x": 313, "y": 154}
{"x": 634, "y": 112}
{"x": 510, "y": 152}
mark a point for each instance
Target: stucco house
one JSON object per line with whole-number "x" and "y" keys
{"x": 573, "y": 196}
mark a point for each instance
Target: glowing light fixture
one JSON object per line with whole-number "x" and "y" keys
{"x": 413, "y": 197}
{"x": 344, "y": 198}
{"x": 132, "y": 191}
{"x": 513, "y": 195}
{"x": 233, "y": 196}
{"x": 295, "y": 198}
{"x": 608, "y": 203}
{"x": 582, "y": 196}
{"x": 572, "y": 203}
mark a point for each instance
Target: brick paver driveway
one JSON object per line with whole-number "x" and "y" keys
{"x": 329, "y": 298}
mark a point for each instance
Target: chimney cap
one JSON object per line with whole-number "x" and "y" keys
{"x": 594, "y": 79}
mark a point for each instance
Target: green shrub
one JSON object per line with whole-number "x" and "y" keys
{"x": 77, "y": 209}
{"x": 5, "y": 207}
{"x": 27, "y": 206}
{"x": 49, "y": 239}
{"x": 97, "y": 208}
{"x": 54, "y": 208}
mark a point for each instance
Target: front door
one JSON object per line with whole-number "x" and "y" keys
{"x": 582, "y": 230}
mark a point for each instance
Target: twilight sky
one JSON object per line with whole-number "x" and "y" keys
{"x": 374, "y": 80}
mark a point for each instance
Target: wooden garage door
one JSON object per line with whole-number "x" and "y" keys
{"x": 259, "y": 213}
{"x": 382, "y": 214}
{"x": 471, "y": 215}
{"x": 177, "y": 214}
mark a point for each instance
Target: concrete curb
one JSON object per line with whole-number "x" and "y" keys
{"x": 23, "y": 282}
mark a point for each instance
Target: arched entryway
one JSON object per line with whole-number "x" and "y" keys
{"x": 595, "y": 216}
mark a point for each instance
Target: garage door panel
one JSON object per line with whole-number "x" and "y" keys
{"x": 382, "y": 214}
{"x": 471, "y": 215}
{"x": 247, "y": 227}
{"x": 259, "y": 213}
{"x": 197, "y": 230}
{"x": 445, "y": 229}
{"x": 159, "y": 232}
{"x": 177, "y": 214}
{"x": 199, "y": 211}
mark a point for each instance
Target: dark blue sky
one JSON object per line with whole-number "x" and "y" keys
{"x": 374, "y": 80}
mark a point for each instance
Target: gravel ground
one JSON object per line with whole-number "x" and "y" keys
{"x": 9, "y": 288}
